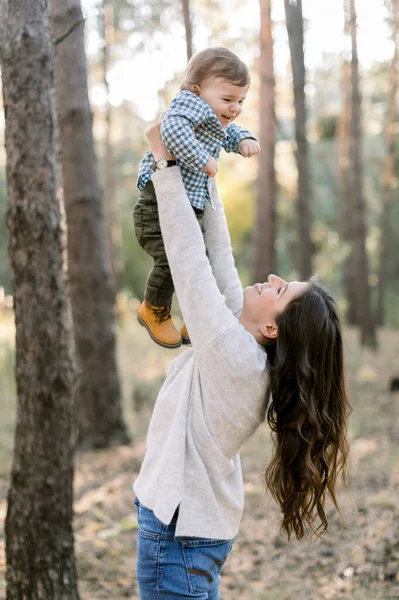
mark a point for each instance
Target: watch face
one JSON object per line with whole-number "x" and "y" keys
{"x": 162, "y": 163}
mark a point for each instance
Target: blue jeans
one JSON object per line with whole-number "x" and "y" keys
{"x": 172, "y": 568}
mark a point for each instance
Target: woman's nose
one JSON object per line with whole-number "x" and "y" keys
{"x": 275, "y": 280}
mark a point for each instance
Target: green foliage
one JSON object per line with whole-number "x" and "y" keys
{"x": 327, "y": 127}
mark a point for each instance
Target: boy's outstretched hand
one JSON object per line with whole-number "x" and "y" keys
{"x": 211, "y": 167}
{"x": 248, "y": 147}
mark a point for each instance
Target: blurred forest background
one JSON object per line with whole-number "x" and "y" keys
{"x": 322, "y": 198}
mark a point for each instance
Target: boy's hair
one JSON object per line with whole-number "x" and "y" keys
{"x": 215, "y": 62}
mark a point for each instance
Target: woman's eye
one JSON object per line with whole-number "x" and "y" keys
{"x": 279, "y": 289}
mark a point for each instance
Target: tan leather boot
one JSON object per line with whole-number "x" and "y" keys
{"x": 185, "y": 338}
{"x": 159, "y": 324}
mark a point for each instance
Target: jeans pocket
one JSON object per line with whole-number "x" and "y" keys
{"x": 148, "y": 525}
{"x": 204, "y": 560}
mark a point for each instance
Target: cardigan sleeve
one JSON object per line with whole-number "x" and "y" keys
{"x": 220, "y": 253}
{"x": 203, "y": 305}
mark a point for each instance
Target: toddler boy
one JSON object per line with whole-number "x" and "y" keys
{"x": 198, "y": 123}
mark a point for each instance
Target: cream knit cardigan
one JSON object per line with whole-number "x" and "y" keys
{"x": 213, "y": 398}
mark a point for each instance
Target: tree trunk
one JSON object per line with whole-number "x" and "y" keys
{"x": 114, "y": 235}
{"x": 99, "y": 402}
{"x": 188, "y": 28}
{"x": 39, "y": 536}
{"x": 364, "y": 315}
{"x": 345, "y": 205}
{"x": 294, "y": 18}
{"x": 265, "y": 224}
{"x": 388, "y": 173}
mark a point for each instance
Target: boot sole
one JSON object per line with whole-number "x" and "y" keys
{"x": 156, "y": 340}
{"x": 186, "y": 341}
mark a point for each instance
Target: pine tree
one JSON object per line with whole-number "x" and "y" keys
{"x": 265, "y": 223}
{"x": 90, "y": 276}
{"x": 295, "y": 27}
{"x": 39, "y": 535}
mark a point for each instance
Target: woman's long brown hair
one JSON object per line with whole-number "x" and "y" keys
{"x": 308, "y": 411}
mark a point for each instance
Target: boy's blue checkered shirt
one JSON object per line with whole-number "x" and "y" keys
{"x": 192, "y": 133}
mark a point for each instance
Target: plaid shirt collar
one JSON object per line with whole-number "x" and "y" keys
{"x": 201, "y": 111}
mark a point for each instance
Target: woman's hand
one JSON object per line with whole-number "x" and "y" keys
{"x": 155, "y": 142}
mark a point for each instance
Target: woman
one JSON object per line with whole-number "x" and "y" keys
{"x": 275, "y": 339}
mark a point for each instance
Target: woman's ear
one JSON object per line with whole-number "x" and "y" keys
{"x": 269, "y": 331}
{"x": 195, "y": 88}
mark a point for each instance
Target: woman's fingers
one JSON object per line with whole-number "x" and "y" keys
{"x": 157, "y": 147}
{"x": 155, "y": 126}
{"x": 153, "y": 132}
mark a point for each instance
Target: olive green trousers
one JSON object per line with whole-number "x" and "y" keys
{"x": 159, "y": 285}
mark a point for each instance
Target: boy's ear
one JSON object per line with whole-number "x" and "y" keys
{"x": 195, "y": 88}
{"x": 269, "y": 331}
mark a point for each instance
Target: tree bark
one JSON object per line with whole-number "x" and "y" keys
{"x": 39, "y": 535}
{"x": 99, "y": 403}
{"x": 388, "y": 173}
{"x": 359, "y": 264}
{"x": 188, "y": 28}
{"x": 114, "y": 235}
{"x": 265, "y": 224}
{"x": 294, "y": 18}
{"x": 345, "y": 205}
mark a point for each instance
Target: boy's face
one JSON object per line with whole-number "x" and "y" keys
{"x": 225, "y": 98}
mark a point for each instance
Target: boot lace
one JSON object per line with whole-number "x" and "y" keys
{"x": 162, "y": 313}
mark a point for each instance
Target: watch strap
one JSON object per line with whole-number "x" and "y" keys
{"x": 170, "y": 163}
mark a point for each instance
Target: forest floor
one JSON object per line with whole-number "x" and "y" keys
{"x": 359, "y": 561}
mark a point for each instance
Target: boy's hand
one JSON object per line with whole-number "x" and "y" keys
{"x": 211, "y": 167}
{"x": 248, "y": 147}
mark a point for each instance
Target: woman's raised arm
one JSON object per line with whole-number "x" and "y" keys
{"x": 218, "y": 245}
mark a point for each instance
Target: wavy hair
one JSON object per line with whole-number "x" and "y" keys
{"x": 308, "y": 411}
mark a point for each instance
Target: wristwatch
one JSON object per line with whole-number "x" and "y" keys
{"x": 163, "y": 163}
